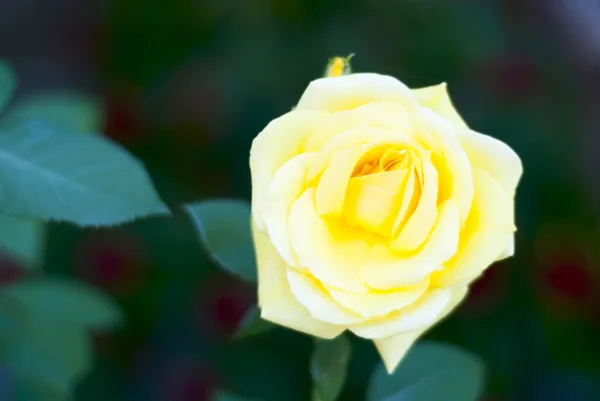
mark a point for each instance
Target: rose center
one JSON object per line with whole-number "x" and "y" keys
{"x": 383, "y": 190}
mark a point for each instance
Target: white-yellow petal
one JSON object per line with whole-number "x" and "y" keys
{"x": 281, "y": 140}
{"x": 421, "y": 314}
{"x": 386, "y": 270}
{"x": 331, "y": 253}
{"x": 509, "y": 248}
{"x": 350, "y": 91}
{"x": 310, "y": 293}
{"x": 379, "y": 303}
{"x": 275, "y": 298}
{"x": 331, "y": 191}
{"x": 393, "y": 349}
{"x": 286, "y": 187}
{"x": 420, "y": 223}
{"x": 485, "y": 234}
{"x": 495, "y": 157}
{"x": 437, "y": 99}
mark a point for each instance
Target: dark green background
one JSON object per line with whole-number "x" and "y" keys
{"x": 187, "y": 84}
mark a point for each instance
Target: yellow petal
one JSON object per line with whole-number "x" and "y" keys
{"x": 379, "y": 303}
{"x": 408, "y": 205}
{"x": 287, "y": 186}
{"x": 350, "y": 91}
{"x": 281, "y": 140}
{"x": 310, "y": 293}
{"x": 437, "y": 99}
{"x": 332, "y": 254}
{"x": 509, "y": 248}
{"x": 421, "y": 314}
{"x": 371, "y": 140}
{"x": 331, "y": 190}
{"x": 493, "y": 156}
{"x": 451, "y": 161}
{"x": 393, "y": 349}
{"x": 275, "y": 297}
{"x": 372, "y": 199}
{"x": 386, "y": 270}
{"x": 420, "y": 223}
{"x": 387, "y": 116}
{"x": 484, "y": 236}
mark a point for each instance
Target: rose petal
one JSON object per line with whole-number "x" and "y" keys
{"x": 310, "y": 293}
{"x": 287, "y": 186}
{"x": 350, "y": 91}
{"x": 378, "y": 303}
{"x": 331, "y": 253}
{"x": 493, "y": 156}
{"x": 331, "y": 190}
{"x": 420, "y": 223}
{"x": 418, "y": 315}
{"x": 385, "y": 270}
{"x": 437, "y": 99}
{"x": 484, "y": 236}
{"x": 393, "y": 349}
{"x": 275, "y": 297}
{"x": 281, "y": 140}
{"x": 372, "y": 199}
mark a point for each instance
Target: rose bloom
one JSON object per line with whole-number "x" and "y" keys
{"x": 373, "y": 208}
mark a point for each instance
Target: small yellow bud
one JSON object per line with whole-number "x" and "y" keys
{"x": 338, "y": 66}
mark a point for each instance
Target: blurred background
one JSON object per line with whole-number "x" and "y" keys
{"x": 186, "y": 85}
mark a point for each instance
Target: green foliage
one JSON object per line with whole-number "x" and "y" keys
{"x": 52, "y": 173}
{"x": 223, "y": 395}
{"x": 224, "y": 228}
{"x": 22, "y": 239}
{"x": 45, "y": 344}
{"x": 328, "y": 367}
{"x": 73, "y": 110}
{"x": 64, "y": 300}
{"x": 8, "y": 82}
{"x": 252, "y": 324}
{"x": 430, "y": 372}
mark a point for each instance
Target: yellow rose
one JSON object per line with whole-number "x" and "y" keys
{"x": 373, "y": 208}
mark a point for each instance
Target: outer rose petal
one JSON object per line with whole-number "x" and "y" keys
{"x": 350, "y": 91}
{"x": 332, "y": 254}
{"x": 509, "y": 248}
{"x": 493, "y": 156}
{"x": 275, "y": 297}
{"x": 310, "y": 293}
{"x": 485, "y": 234}
{"x": 393, "y": 349}
{"x": 385, "y": 270}
{"x": 437, "y": 99}
{"x": 281, "y": 140}
{"x": 421, "y": 314}
{"x": 376, "y": 304}
{"x": 287, "y": 185}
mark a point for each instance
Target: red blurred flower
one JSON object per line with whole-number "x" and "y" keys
{"x": 113, "y": 260}
{"x": 221, "y": 304}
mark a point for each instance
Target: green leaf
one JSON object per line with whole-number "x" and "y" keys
{"x": 430, "y": 372}
{"x": 224, "y": 228}
{"x": 22, "y": 239}
{"x": 63, "y": 300}
{"x": 252, "y": 324}
{"x": 52, "y": 173}
{"x": 73, "y": 110}
{"x": 328, "y": 367}
{"x": 8, "y": 83}
{"x": 57, "y": 353}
